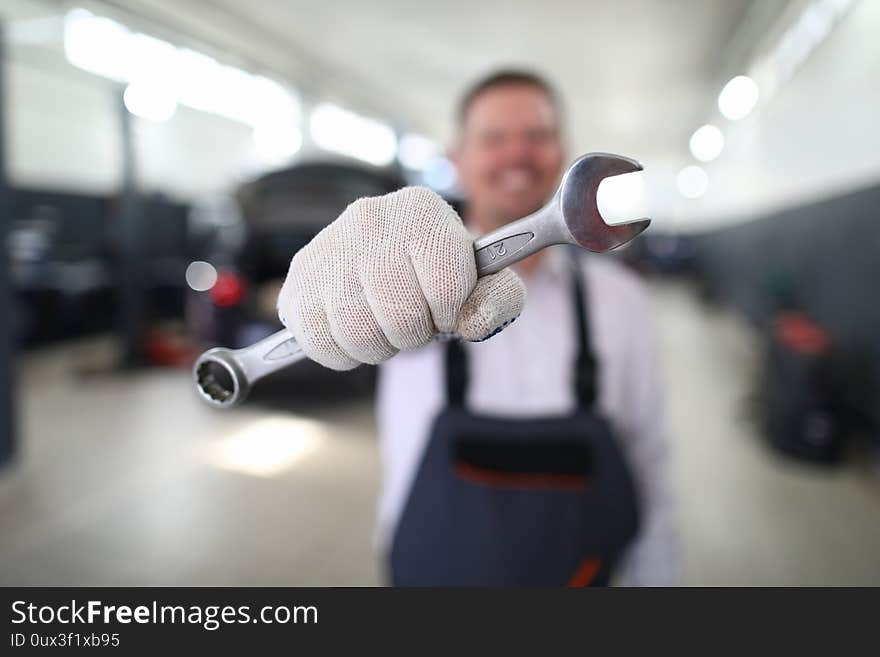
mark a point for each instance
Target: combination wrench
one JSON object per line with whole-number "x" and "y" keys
{"x": 224, "y": 377}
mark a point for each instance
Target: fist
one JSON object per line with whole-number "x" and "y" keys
{"x": 389, "y": 274}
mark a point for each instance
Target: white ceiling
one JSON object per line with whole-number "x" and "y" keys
{"x": 637, "y": 75}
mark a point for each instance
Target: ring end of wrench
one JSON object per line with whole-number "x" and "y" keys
{"x": 219, "y": 379}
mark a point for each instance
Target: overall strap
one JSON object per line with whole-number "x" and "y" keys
{"x": 586, "y": 367}
{"x": 456, "y": 373}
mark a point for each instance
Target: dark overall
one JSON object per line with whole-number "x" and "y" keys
{"x": 501, "y": 502}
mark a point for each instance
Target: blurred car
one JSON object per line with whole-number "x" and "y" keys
{"x": 249, "y": 240}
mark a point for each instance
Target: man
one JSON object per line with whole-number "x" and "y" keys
{"x": 537, "y": 457}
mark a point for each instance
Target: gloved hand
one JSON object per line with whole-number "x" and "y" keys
{"x": 389, "y": 274}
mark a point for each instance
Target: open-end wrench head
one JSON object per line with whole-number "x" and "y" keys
{"x": 577, "y": 199}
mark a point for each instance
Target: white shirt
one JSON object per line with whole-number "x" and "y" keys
{"x": 526, "y": 370}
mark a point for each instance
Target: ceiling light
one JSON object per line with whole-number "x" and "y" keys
{"x": 153, "y": 102}
{"x": 738, "y": 98}
{"x": 692, "y": 182}
{"x": 338, "y": 130}
{"x": 416, "y": 151}
{"x": 440, "y": 174}
{"x": 707, "y": 143}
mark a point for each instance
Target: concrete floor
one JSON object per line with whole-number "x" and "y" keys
{"x": 129, "y": 480}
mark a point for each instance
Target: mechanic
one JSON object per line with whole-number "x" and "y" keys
{"x": 537, "y": 457}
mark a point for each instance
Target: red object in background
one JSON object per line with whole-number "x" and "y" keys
{"x": 228, "y": 290}
{"x": 169, "y": 349}
{"x": 800, "y": 333}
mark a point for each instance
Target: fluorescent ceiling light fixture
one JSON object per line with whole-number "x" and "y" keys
{"x": 416, "y": 151}
{"x": 95, "y": 44}
{"x": 275, "y": 115}
{"x": 107, "y": 48}
{"x": 338, "y": 130}
{"x": 149, "y": 101}
{"x": 815, "y": 24}
{"x": 621, "y": 197}
{"x": 276, "y": 144}
{"x": 810, "y": 29}
{"x": 266, "y": 447}
{"x": 738, "y": 98}
{"x": 692, "y": 182}
{"x": 837, "y": 7}
{"x": 148, "y": 58}
{"x": 707, "y": 143}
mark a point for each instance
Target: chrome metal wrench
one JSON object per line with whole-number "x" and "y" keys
{"x": 223, "y": 377}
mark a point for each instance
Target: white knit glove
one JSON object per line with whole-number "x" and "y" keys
{"x": 390, "y": 273}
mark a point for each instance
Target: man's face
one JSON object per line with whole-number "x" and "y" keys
{"x": 509, "y": 157}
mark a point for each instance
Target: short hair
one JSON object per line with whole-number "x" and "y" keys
{"x": 507, "y": 78}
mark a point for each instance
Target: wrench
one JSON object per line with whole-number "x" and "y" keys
{"x": 223, "y": 377}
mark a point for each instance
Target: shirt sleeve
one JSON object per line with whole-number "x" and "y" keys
{"x": 653, "y": 558}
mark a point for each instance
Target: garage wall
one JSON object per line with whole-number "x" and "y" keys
{"x": 63, "y": 133}
{"x": 60, "y": 130}
{"x": 816, "y": 138}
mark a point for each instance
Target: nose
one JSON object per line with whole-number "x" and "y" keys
{"x": 519, "y": 150}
